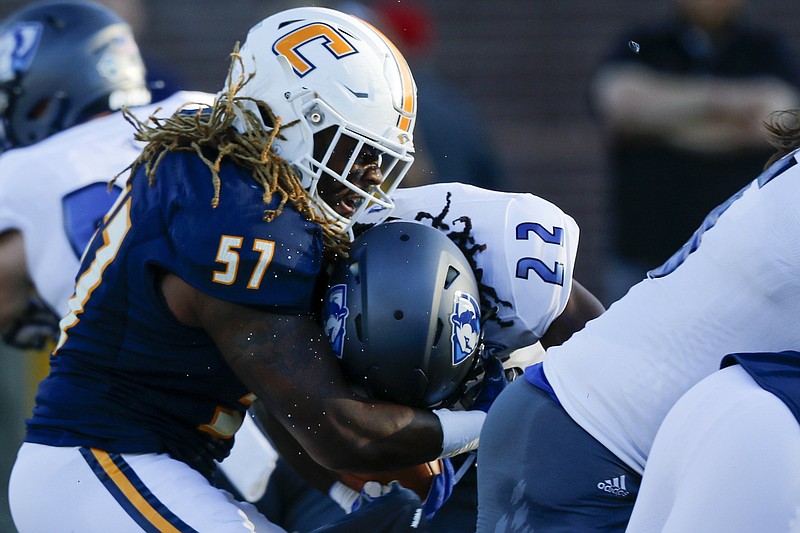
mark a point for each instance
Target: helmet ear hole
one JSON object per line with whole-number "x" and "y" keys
{"x": 452, "y": 275}
{"x": 359, "y": 328}
{"x": 438, "y": 335}
{"x": 55, "y": 22}
{"x": 39, "y": 109}
{"x": 354, "y": 272}
{"x": 266, "y": 118}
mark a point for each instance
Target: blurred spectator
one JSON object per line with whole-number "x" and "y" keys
{"x": 683, "y": 102}
{"x": 450, "y": 138}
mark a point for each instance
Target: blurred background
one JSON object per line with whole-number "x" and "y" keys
{"x": 512, "y": 75}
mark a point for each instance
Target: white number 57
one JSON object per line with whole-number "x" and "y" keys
{"x": 227, "y": 255}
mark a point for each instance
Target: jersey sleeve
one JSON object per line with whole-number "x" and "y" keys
{"x": 527, "y": 264}
{"x": 231, "y": 253}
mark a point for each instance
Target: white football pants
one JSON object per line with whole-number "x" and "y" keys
{"x": 87, "y": 490}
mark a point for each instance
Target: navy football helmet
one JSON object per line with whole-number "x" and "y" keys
{"x": 62, "y": 62}
{"x": 403, "y": 315}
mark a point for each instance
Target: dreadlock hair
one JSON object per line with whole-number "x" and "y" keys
{"x": 490, "y": 300}
{"x": 210, "y": 130}
{"x": 783, "y": 128}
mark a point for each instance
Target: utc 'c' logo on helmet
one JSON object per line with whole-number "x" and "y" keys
{"x": 335, "y": 315}
{"x": 466, "y": 320}
{"x": 331, "y": 39}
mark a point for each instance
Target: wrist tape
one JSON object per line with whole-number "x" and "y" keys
{"x": 461, "y": 430}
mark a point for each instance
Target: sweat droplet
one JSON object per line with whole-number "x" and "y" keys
{"x": 634, "y": 46}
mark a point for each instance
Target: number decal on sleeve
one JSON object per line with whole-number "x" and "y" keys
{"x": 226, "y": 422}
{"x": 267, "y": 249}
{"x": 228, "y": 256}
{"x": 526, "y": 264}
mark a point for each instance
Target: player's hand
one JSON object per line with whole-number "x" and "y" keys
{"x": 418, "y": 478}
{"x": 493, "y": 382}
{"x": 382, "y": 509}
{"x": 37, "y": 327}
{"x": 440, "y": 492}
{"x": 441, "y": 488}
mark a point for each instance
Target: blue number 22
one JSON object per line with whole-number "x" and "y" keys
{"x": 526, "y": 264}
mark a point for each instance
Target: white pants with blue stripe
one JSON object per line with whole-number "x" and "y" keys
{"x": 88, "y": 490}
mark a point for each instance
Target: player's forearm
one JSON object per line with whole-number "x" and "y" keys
{"x": 11, "y": 309}
{"x": 381, "y": 436}
{"x": 287, "y": 362}
{"x": 15, "y": 286}
{"x": 292, "y": 452}
{"x": 582, "y": 307}
{"x": 344, "y": 432}
{"x": 342, "y": 450}
{"x": 361, "y": 436}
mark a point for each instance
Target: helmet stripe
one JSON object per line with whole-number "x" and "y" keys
{"x": 408, "y": 103}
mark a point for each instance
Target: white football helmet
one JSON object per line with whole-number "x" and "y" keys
{"x": 332, "y": 72}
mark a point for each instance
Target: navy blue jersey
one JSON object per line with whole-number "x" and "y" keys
{"x": 126, "y": 376}
{"x": 778, "y": 373}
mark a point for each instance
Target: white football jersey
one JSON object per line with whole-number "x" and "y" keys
{"x": 528, "y": 260}
{"x": 56, "y": 190}
{"x": 735, "y": 287}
